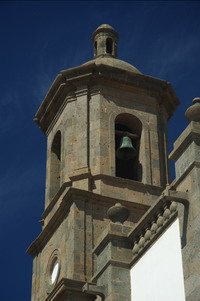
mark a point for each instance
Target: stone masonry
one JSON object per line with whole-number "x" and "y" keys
{"x": 99, "y": 218}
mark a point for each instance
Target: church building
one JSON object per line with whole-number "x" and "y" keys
{"x": 114, "y": 228}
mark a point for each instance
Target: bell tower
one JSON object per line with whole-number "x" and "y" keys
{"x": 106, "y": 128}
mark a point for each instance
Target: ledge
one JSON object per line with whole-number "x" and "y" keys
{"x": 178, "y": 181}
{"x": 136, "y": 185}
{"x": 155, "y": 221}
{"x": 68, "y": 196}
{"x": 140, "y": 238}
{"x": 69, "y": 79}
{"x": 66, "y": 285}
{"x": 113, "y": 231}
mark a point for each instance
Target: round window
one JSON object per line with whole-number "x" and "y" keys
{"x": 53, "y": 270}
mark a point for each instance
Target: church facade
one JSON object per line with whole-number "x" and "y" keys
{"x": 114, "y": 227}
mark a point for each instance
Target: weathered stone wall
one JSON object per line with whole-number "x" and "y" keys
{"x": 186, "y": 154}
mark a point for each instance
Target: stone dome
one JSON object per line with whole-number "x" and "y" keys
{"x": 105, "y": 26}
{"x": 113, "y": 62}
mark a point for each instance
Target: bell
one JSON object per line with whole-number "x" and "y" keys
{"x": 126, "y": 151}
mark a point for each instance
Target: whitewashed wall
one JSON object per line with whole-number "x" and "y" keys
{"x": 158, "y": 275}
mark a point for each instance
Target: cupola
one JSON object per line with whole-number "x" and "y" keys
{"x": 105, "y": 41}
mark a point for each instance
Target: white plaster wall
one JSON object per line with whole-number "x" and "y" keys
{"x": 158, "y": 275}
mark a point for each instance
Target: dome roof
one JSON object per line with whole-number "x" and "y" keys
{"x": 105, "y": 26}
{"x": 113, "y": 62}
{"x": 105, "y": 49}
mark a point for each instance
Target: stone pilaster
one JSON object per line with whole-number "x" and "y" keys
{"x": 186, "y": 155}
{"x": 113, "y": 253}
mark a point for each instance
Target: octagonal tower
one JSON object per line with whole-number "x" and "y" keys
{"x": 86, "y": 115}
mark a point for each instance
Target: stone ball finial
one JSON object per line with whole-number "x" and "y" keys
{"x": 193, "y": 112}
{"x": 118, "y": 213}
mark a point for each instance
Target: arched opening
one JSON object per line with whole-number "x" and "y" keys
{"x": 55, "y": 165}
{"x": 127, "y": 147}
{"x": 109, "y": 45}
{"x": 95, "y": 48}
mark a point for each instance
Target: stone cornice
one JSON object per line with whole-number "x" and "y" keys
{"x": 67, "y": 190}
{"x": 178, "y": 181}
{"x": 136, "y": 185}
{"x": 191, "y": 133}
{"x": 67, "y": 197}
{"x": 138, "y": 239}
{"x": 116, "y": 263}
{"x": 113, "y": 231}
{"x": 110, "y": 76}
{"x": 65, "y": 285}
{"x": 155, "y": 221}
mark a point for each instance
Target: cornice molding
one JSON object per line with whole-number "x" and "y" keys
{"x": 143, "y": 236}
{"x": 69, "y": 196}
{"x": 191, "y": 133}
{"x": 140, "y": 238}
{"x": 109, "y": 76}
{"x": 66, "y": 285}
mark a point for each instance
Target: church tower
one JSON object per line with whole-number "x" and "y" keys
{"x": 108, "y": 198}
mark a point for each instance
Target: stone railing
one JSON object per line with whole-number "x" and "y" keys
{"x": 153, "y": 224}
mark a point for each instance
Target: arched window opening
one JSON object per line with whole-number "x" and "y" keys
{"x": 95, "y": 48}
{"x": 127, "y": 147}
{"x": 55, "y": 165}
{"x": 109, "y": 46}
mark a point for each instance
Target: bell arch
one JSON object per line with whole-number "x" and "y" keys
{"x": 95, "y": 48}
{"x": 55, "y": 165}
{"x": 128, "y": 130}
{"x": 109, "y": 46}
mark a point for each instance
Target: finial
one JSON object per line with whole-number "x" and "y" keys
{"x": 105, "y": 41}
{"x": 118, "y": 213}
{"x": 193, "y": 112}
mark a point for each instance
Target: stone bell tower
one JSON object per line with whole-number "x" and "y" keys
{"x": 107, "y": 165}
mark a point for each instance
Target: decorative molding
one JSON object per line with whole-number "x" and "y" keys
{"x": 80, "y": 173}
{"x": 176, "y": 182}
{"x": 116, "y": 263}
{"x": 136, "y": 185}
{"x": 191, "y": 133}
{"x": 109, "y": 75}
{"x": 68, "y": 196}
{"x": 118, "y": 213}
{"x": 156, "y": 220}
{"x": 63, "y": 286}
{"x": 153, "y": 223}
{"x": 94, "y": 290}
{"x": 55, "y": 255}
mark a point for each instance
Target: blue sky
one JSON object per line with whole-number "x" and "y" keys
{"x": 40, "y": 38}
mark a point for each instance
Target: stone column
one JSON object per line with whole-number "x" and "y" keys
{"x": 113, "y": 253}
{"x": 186, "y": 155}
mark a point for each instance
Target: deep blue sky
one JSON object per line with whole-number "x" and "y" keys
{"x": 38, "y": 39}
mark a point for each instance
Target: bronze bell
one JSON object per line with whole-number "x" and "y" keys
{"x": 126, "y": 151}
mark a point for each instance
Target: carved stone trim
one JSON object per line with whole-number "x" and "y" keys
{"x": 65, "y": 200}
{"x": 191, "y": 133}
{"x": 115, "y": 263}
{"x": 176, "y": 182}
{"x": 156, "y": 222}
{"x": 109, "y": 76}
{"x": 54, "y": 256}
{"x": 94, "y": 289}
{"x": 66, "y": 285}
